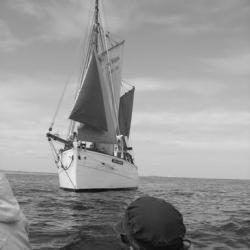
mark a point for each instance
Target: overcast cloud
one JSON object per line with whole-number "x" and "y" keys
{"x": 189, "y": 61}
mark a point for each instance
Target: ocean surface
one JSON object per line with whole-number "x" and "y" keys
{"x": 216, "y": 212}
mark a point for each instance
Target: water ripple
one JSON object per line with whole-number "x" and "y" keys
{"x": 216, "y": 212}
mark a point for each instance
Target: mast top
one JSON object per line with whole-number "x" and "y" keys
{"x": 96, "y": 25}
{"x": 97, "y": 12}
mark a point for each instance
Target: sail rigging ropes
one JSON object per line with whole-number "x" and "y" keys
{"x": 56, "y": 154}
{"x": 110, "y": 76}
{"x": 58, "y": 159}
{"x": 86, "y": 54}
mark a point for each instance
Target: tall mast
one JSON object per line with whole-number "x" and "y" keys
{"x": 94, "y": 40}
{"x": 96, "y": 23}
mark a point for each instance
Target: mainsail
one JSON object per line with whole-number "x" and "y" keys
{"x": 89, "y": 107}
{"x": 125, "y": 112}
{"x": 93, "y": 108}
{"x": 97, "y": 105}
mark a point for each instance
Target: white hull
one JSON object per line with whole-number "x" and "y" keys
{"x": 83, "y": 170}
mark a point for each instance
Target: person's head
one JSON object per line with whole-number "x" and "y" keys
{"x": 152, "y": 224}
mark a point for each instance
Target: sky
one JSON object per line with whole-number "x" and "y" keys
{"x": 189, "y": 61}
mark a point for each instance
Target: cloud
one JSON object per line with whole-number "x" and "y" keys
{"x": 57, "y": 19}
{"x": 192, "y": 118}
{"x": 65, "y": 20}
{"x": 198, "y": 86}
{"x": 148, "y": 84}
{"x": 238, "y": 64}
{"x": 28, "y": 105}
{"x": 197, "y": 130}
{"x": 197, "y": 17}
{"x": 180, "y": 24}
{"x": 192, "y": 94}
{"x": 189, "y": 61}
{"x": 8, "y": 41}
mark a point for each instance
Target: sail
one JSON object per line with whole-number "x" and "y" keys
{"x": 125, "y": 112}
{"x": 111, "y": 62}
{"x": 89, "y": 106}
{"x": 93, "y": 108}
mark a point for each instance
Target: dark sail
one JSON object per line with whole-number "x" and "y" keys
{"x": 93, "y": 108}
{"x": 125, "y": 112}
{"x": 89, "y": 107}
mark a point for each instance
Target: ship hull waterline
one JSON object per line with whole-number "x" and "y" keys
{"x": 82, "y": 170}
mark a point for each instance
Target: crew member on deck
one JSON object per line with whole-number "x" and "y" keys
{"x": 120, "y": 146}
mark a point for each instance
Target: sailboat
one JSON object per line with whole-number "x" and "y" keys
{"x": 97, "y": 154}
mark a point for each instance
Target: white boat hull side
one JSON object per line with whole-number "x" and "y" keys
{"x": 89, "y": 170}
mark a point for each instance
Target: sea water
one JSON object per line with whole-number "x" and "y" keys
{"x": 216, "y": 212}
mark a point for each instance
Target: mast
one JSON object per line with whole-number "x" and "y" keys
{"x": 96, "y": 23}
{"x": 94, "y": 40}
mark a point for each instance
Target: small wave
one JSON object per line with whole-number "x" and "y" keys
{"x": 216, "y": 212}
{"x": 95, "y": 243}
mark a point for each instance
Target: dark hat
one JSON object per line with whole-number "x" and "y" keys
{"x": 152, "y": 222}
